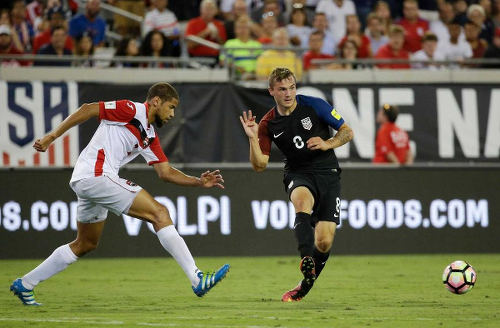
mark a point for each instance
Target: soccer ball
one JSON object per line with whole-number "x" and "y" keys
{"x": 459, "y": 277}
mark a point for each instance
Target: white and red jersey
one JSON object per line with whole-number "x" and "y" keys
{"x": 124, "y": 133}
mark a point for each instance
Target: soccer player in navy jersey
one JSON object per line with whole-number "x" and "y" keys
{"x": 299, "y": 126}
{"x": 125, "y": 131}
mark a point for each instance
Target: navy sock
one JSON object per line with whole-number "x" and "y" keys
{"x": 304, "y": 233}
{"x": 319, "y": 260}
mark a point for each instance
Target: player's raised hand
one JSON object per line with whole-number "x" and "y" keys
{"x": 212, "y": 179}
{"x": 44, "y": 143}
{"x": 316, "y": 143}
{"x": 249, "y": 124}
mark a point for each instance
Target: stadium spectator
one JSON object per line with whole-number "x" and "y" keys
{"x": 320, "y": 23}
{"x": 242, "y": 61}
{"x": 363, "y": 9}
{"x": 127, "y": 47}
{"x": 207, "y": 27}
{"x": 155, "y": 44}
{"x": 297, "y": 4}
{"x": 299, "y": 29}
{"x": 269, "y": 24}
{"x": 348, "y": 50}
{"x": 478, "y": 46}
{"x": 84, "y": 47}
{"x": 34, "y": 12}
{"x": 394, "y": 49}
{"x": 392, "y": 144}
{"x": 21, "y": 26}
{"x": 270, "y": 59}
{"x": 460, "y": 8}
{"x": 161, "y": 19}
{"x": 477, "y": 14}
{"x": 353, "y": 33}
{"x": 314, "y": 52}
{"x": 336, "y": 12}
{"x": 239, "y": 10}
{"x": 440, "y": 27}
{"x": 375, "y": 32}
{"x": 56, "y": 18}
{"x": 227, "y": 6}
{"x": 428, "y": 53}
{"x": 414, "y": 26}
{"x": 383, "y": 11}
{"x": 273, "y": 6}
{"x": 7, "y": 47}
{"x": 455, "y": 48}
{"x": 126, "y": 26}
{"x": 493, "y": 51}
{"x": 495, "y": 13}
{"x": 185, "y": 10}
{"x": 90, "y": 22}
{"x": 5, "y": 20}
{"x": 55, "y": 47}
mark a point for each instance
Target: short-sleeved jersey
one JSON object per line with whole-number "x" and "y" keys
{"x": 124, "y": 133}
{"x": 311, "y": 118}
{"x": 390, "y": 138}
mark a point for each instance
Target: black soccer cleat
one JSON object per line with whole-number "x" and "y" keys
{"x": 308, "y": 269}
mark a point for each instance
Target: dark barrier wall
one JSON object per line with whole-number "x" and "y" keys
{"x": 459, "y": 122}
{"x": 409, "y": 210}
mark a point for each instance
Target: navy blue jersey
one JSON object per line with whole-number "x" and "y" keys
{"x": 311, "y": 118}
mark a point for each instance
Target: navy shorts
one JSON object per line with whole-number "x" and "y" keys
{"x": 325, "y": 188}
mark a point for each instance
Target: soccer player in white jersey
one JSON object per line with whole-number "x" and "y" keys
{"x": 125, "y": 131}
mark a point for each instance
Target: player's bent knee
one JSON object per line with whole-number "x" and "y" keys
{"x": 161, "y": 216}
{"x": 82, "y": 247}
{"x": 324, "y": 244}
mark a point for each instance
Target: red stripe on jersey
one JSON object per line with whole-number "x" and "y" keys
{"x": 52, "y": 158}
{"x": 21, "y": 162}
{"x": 36, "y": 159}
{"x": 66, "y": 150}
{"x": 136, "y": 133}
{"x": 99, "y": 163}
{"x": 158, "y": 151}
{"x": 118, "y": 111}
{"x": 6, "y": 159}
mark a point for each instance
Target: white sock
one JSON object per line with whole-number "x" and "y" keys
{"x": 175, "y": 245}
{"x": 55, "y": 263}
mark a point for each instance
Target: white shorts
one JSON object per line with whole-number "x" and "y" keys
{"x": 97, "y": 195}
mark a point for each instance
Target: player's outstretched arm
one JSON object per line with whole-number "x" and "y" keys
{"x": 207, "y": 179}
{"x": 257, "y": 158}
{"x": 85, "y": 112}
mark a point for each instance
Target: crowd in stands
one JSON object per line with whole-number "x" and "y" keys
{"x": 299, "y": 32}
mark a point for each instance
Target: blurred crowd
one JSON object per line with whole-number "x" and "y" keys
{"x": 302, "y": 34}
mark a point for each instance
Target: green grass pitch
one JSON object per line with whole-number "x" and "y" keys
{"x": 353, "y": 291}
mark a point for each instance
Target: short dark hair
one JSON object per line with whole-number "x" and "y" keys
{"x": 391, "y": 112}
{"x": 57, "y": 27}
{"x": 429, "y": 36}
{"x": 279, "y": 74}
{"x": 163, "y": 90}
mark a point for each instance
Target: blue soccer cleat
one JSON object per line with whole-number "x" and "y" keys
{"x": 208, "y": 280}
{"x": 27, "y": 296}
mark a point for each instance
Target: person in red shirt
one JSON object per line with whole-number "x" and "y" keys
{"x": 414, "y": 26}
{"x": 392, "y": 143}
{"x": 56, "y": 18}
{"x": 394, "y": 49}
{"x": 315, "y": 45}
{"x": 353, "y": 32}
{"x": 206, "y": 27}
{"x": 7, "y": 48}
